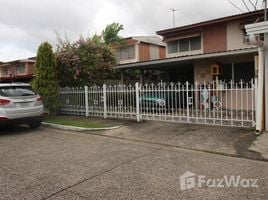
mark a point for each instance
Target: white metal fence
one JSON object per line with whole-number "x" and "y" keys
{"x": 225, "y": 104}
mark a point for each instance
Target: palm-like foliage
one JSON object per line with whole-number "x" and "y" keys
{"x": 110, "y": 34}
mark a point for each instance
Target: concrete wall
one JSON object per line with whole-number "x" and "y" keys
{"x": 235, "y": 36}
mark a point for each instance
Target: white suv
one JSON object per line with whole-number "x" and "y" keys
{"x": 20, "y": 104}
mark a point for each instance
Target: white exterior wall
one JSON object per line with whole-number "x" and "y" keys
{"x": 235, "y": 36}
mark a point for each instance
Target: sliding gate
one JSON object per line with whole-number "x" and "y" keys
{"x": 225, "y": 104}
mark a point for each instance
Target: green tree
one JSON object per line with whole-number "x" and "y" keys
{"x": 45, "y": 81}
{"x": 110, "y": 33}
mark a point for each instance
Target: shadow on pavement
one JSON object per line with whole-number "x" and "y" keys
{"x": 14, "y": 130}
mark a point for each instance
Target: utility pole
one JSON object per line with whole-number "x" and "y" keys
{"x": 173, "y": 15}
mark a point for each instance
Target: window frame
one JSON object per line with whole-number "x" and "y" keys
{"x": 177, "y": 43}
{"x": 174, "y": 44}
{"x": 127, "y": 51}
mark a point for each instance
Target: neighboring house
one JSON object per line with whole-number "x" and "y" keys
{"x": 17, "y": 71}
{"x": 140, "y": 48}
{"x": 204, "y": 51}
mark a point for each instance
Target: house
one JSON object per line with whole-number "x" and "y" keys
{"x": 204, "y": 51}
{"x": 212, "y": 69}
{"x": 140, "y": 48}
{"x": 18, "y": 71}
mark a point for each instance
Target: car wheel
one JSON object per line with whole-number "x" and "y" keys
{"x": 35, "y": 124}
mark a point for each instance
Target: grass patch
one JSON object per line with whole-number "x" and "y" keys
{"x": 77, "y": 122}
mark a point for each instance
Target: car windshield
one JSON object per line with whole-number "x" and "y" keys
{"x": 16, "y": 91}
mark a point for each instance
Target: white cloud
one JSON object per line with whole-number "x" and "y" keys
{"x": 24, "y": 24}
{"x": 9, "y": 53}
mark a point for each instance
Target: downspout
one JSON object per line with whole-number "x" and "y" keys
{"x": 260, "y": 89}
{"x": 259, "y": 111}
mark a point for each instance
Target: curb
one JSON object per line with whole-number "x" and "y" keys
{"x": 74, "y": 128}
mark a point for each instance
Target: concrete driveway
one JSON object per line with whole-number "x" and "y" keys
{"x": 212, "y": 139}
{"x": 55, "y": 164}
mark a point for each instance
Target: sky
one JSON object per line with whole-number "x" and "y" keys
{"x": 24, "y": 24}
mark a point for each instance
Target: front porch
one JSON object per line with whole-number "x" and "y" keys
{"x": 225, "y": 66}
{"x": 215, "y": 88}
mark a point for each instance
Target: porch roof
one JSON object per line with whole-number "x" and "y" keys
{"x": 186, "y": 58}
{"x": 16, "y": 62}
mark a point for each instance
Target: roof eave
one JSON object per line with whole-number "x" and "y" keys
{"x": 208, "y": 22}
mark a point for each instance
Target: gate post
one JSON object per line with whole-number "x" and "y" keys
{"x": 187, "y": 100}
{"x": 137, "y": 101}
{"x": 86, "y": 101}
{"x": 104, "y": 101}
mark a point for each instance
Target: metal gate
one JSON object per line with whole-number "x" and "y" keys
{"x": 217, "y": 103}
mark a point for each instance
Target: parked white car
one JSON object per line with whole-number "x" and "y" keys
{"x": 20, "y": 104}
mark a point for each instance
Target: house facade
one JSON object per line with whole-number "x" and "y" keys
{"x": 205, "y": 51}
{"x": 220, "y": 35}
{"x": 214, "y": 68}
{"x": 17, "y": 71}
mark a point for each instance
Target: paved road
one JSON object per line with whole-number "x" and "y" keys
{"x": 56, "y": 164}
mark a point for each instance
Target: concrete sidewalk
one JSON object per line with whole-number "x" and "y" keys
{"x": 261, "y": 145}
